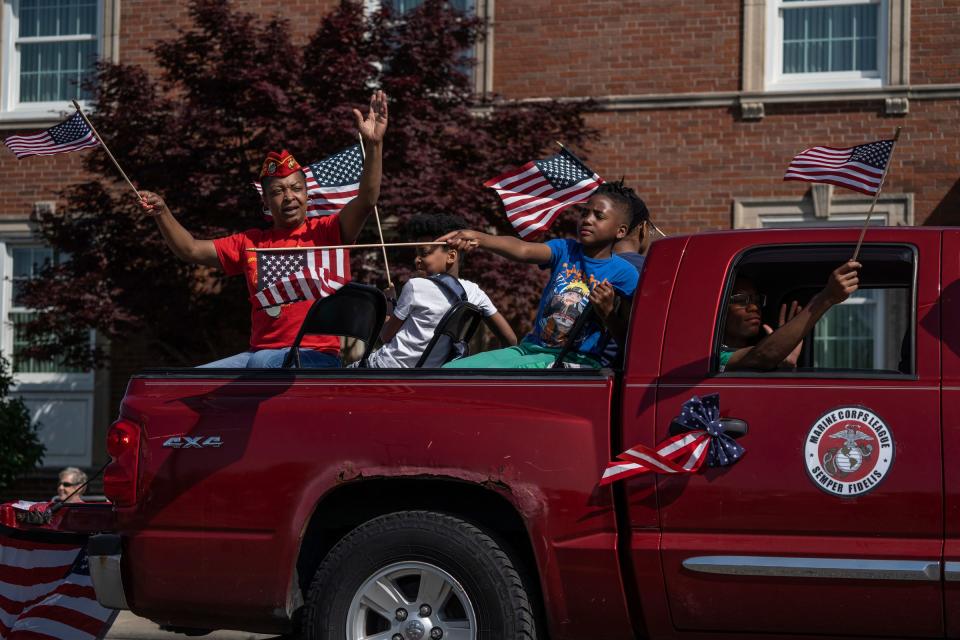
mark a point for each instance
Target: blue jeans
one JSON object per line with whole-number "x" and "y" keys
{"x": 273, "y": 359}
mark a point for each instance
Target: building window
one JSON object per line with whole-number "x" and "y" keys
{"x": 481, "y": 71}
{"x": 823, "y": 44}
{"x": 50, "y": 48}
{"x": 402, "y": 6}
{"x": 801, "y": 45}
{"x": 25, "y": 263}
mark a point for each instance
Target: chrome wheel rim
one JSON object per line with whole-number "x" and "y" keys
{"x": 411, "y": 601}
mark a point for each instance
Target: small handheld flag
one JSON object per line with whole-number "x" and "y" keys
{"x": 70, "y": 135}
{"x": 331, "y": 183}
{"x": 535, "y": 194}
{"x": 290, "y": 276}
{"x": 860, "y": 168}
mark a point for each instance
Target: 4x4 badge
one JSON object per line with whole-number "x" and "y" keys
{"x": 848, "y": 451}
{"x": 191, "y": 442}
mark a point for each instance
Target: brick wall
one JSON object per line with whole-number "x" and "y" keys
{"x": 689, "y": 164}
{"x": 935, "y": 42}
{"x": 577, "y": 48}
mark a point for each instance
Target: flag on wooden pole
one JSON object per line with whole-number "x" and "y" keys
{"x": 860, "y": 168}
{"x": 535, "y": 194}
{"x": 70, "y": 135}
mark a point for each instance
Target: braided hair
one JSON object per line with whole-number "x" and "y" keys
{"x": 622, "y": 194}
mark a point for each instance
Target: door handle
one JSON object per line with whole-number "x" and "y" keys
{"x": 733, "y": 427}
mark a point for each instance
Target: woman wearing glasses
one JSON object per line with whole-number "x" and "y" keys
{"x": 70, "y": 488}
{"x": 781, "y": 348}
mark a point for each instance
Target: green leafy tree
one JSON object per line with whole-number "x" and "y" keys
{"x": 20, "y": 448}
{"x": 229, "y": 89}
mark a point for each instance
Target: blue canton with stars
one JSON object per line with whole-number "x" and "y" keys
{"x": 69, "y": 130}
{"x": 874, "y": 154}
{"x": 275, "y": 266}
{"x": 562, "y": 170}
{"x": 340, "y": 169}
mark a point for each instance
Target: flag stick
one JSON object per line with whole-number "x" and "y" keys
{"x": 374, "y": 245}
{"x": 856, "y": 252}
{"x": 376, "y": 213}
{"x": 105, "y": 148}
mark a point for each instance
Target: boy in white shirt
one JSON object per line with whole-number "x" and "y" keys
{"x": 424, "y": 301}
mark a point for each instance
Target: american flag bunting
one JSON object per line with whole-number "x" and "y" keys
{"x": 45, "y": 588}
{"x": 535, "y": 194}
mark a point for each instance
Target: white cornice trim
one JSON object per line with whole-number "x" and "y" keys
{"x": 733, "y": 98}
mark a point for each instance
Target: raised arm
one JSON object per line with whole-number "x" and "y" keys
{"x": 506, "y": 246}
{"x": 774, "y": 349}
{"x": 372, "y": 129}
{"x": 180, "y": 241}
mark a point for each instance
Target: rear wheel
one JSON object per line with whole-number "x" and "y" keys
{"x": 417, "y": 575}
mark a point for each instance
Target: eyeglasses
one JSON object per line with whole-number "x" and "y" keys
{"x": 69, "y": 484}
{"x": 747, "y": 299}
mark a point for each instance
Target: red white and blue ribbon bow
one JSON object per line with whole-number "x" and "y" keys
{"x": 703, "y": 440}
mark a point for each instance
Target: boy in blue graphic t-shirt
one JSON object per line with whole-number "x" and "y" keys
{"x": 580, "y": 273}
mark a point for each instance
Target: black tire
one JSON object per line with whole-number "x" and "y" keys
{"x": 487, "y": 575}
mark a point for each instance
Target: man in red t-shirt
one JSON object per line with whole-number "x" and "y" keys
{"x": 285, "y": 194}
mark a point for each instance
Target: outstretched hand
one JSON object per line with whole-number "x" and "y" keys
{"x": 373, "y": 127}
{"x": 462, "y": 240}
{"x": 785, "y": 317}
{"x": 152, "y": 204}
{"x": 844, "y": 280}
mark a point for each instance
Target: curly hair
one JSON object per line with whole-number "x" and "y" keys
{"x": 619, "y": 192}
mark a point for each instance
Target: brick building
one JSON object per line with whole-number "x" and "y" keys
{"x": 700, "y": 104}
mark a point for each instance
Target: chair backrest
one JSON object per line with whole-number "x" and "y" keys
{"x": 571, "y": 342}
{"x": 458, "y": 324}
{"x": 356, "y": 310}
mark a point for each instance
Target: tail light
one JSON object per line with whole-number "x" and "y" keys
{"x": 120, "y": 476}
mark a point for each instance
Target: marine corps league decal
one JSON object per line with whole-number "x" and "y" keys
{"x": 848, "y": 451}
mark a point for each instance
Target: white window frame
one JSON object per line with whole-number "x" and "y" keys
{"x": 44, "y": 392}
{"x": 776, "y": 80}
{"x": 483, "y": 51}
{"x": 11, "y": 109}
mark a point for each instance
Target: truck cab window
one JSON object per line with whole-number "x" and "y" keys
{"x": 871, "y": 331}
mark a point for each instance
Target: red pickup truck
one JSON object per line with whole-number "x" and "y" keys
{"x": 409, "y": 504}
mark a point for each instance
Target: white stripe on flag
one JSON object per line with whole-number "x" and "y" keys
{"x": 35, "y": 558}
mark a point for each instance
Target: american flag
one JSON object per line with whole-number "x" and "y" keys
{"x": 535, "y": 194}
{"x": 331, "y": 183}
{"x": 70, "y": 135}
{"x": 45, "y": 588}
{"x": 859, "y": 168}
{"x": 289, "y": 276}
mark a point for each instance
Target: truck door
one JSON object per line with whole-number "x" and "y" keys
{"x": 832, "y": 521}
{"x": 950, "y": 352}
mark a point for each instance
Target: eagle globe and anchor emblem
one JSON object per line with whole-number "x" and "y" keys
{"x": 849, "y": 457}
{"x": 848, "y": 451}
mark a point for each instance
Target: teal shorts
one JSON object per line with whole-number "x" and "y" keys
{"x": 525, "y": 355}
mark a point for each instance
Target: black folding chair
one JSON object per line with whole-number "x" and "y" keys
{"x": 458, "y": 324}
{"x": 356, "y": 310}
